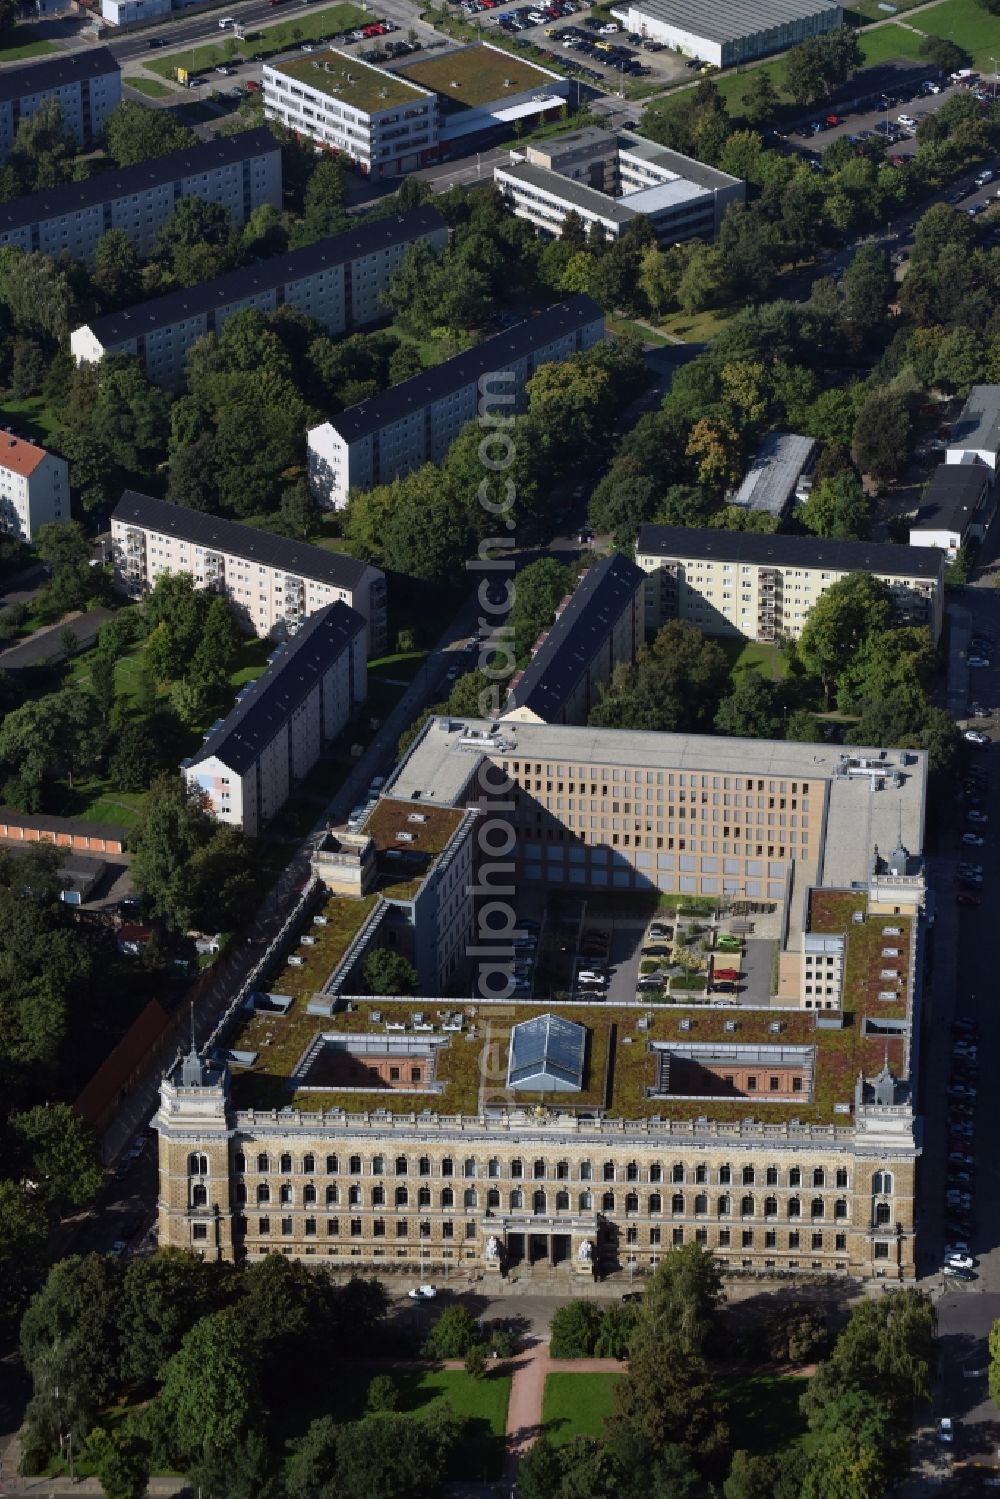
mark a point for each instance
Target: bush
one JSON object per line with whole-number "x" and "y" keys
{"x": 475, "y": 1361}
{"x": 382, "y": 1394}
{"x": 575, "y": 1329}
{"x": 453, "y": 1334}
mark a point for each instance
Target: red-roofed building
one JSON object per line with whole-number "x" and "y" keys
{"x": 34, "y": 487}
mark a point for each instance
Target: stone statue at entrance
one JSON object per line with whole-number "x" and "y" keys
{"x": 585, "y": 1253}
{"x": 492, "y": 1248}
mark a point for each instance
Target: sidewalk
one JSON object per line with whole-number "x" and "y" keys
{"x": 527, "y": 1393}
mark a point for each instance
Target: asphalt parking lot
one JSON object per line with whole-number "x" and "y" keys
{"x": 906, "y": 101}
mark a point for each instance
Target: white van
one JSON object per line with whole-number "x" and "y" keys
{"x": 226, "y": 21}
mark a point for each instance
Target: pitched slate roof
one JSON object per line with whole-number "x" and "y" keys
{"x": 56, "y": 72}
{"x": 265, "y": 706}
{"x": 702, "y": 543}
{"x": 954, "y": 498}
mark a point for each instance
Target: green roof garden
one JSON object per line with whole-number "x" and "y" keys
{"x": 354, "y": 82}
{"x": 476, "y": 75}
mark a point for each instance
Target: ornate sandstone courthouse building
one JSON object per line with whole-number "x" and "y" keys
{"x": 568, "y": 1126}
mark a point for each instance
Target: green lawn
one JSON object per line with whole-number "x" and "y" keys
{"x": 23, "y": 43}
{"x": 753, "y": 655}
{"x": 883, "y": 42}
{"x": 575, "y": 1405}
{"x": 967, "y": 24}
{"x": 151, "y": 87}
{"x": 698, "y": 327}
{"x": 272, "y": 39}
{"x": 764, "y": 1411}
{"x": 90, "y": 800}
{"x": 30, "y": 416}
{"x": 635, "y": 330}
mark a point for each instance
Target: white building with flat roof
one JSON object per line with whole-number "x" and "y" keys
{"x": 250, "y": 761}
{"x": 238, "y": 172}
{"x": 271, "y": 583}
{"x": 976, "y": 434}
{"x": 338, "y": 281}
{"x": 727, "y": 32}
{"x": 34, "y": 488}
{"x": 87, "y": 86}
{"x": 416, "y": 421}
{"x": 781, "y": 462}
{"x": 610, "y": 179}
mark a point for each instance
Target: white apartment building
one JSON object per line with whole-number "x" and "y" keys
{"x": 250, "y": 762}
{"x": 271, "y": 583}
{"x": 383, "y": 122}
{"x": 239, "y": 172}
{"x": 763, "y": 587}
{"x": 34, "y": 488}
{"x": 338, "y": 281}
{"x": 417, "y": 421}
{"x": 130, "y": 12}
{"x": 955, "y": 509}
{"x": 86, "y": 85}
{"x": 610, "y": 180}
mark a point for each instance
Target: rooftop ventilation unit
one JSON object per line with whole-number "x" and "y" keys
{"x": 416, "y": 816}
{"x": 405, "y": 837}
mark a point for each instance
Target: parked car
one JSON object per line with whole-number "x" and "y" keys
{"x": 974, "y": 840}
{"x": 978, "y": 661}
{"x": 945, "y": 1430}
{"x": 953, "y": 1272}
{"x": 979, "y": 818}
{"x": 422, "y": 1293}
{"x": 977, "y": 737}
{"x": 959, "y": 1260}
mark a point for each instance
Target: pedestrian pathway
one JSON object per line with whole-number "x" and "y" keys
{"x": 527, "y": 1393}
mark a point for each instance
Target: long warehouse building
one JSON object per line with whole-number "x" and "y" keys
{"x": 416, "y": 422}
{"x": 728, "y": 32}
{"x": 338, "y": 281}
{"x": 238, "y": 172}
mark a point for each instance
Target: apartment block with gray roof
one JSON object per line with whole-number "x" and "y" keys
{"x": 86, "y": 85}
{"x": 250, "y": 761}
{"x": 237, "y": 172}
{"x": 735, "y": 32}
{"x": 600, "y": 625}
{"x": 763, "y": 587}
{"x": 416, "y": 422}
{"x": 272, "y": 584}
{"x": 976, "y": 435}
{"x": 338, "y": 281}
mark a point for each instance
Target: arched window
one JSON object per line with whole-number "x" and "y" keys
{"x": 883, "y": 1215}
{"x": 516, "y": 1168}
{"x": 701, "y": 1174}
{"x": 609, "y": 1171}
{"x": 332, "y": 1196}
{"x": 701, "y": 1203}
{"x": 882, "y": 1184}
{"x": 562, "y": 1171}
{"x": 285, "y": 1193}
{"x": 819, "y": 1177}
{"x": 770, "y": 1206}
{"x": 632, "y": 1172}
{"x": 470, "y": 1198}
{"x": 748, "y": 1176}
{"x": 840, "y": 1208}
{"x": 447, "y": 1197}
{"x": 656, "y": 1172}
{"x": 562, "y": 1202}
{"x": 354, "y": 1165}
{"x": 286, "y": 1164}
{"x": 586, "y": 1202}
{"x": 842, "y": 1176}
{"x": 309, "y": 1196}
{"x": 468, "y": 1167}
{"x": 424, "y": 1165}
{"x": 332, "y": 1165}
{"x": 401, "y": 1165}
{"x": 378, "y": 1165}
{"x": 677, "y": 1172}
{"x": 492, "y": 1166}
{"x": 197, "y": 1164}
{"x": 447, "y": 1166}
{"x": 725, "y": 1175}
{"x": 402, "y": 1197}
{"x": 309, "y": 1165}
{"x": 677, "y": 1202}
{"x": 816, "y": 1208}
{"x": 354, "y": 1197}
{"x": 655, "y": 1202}
{"x": 631, "y": 1202}
{"x": 517, "y": 1198}
{"x": 263, "y": 1164}
{"x": 240, "y": 1163}
{"x": 538, "y": 1202}
{"x": 794, "y": 1208}
{"x": 424, "y": 1197}
{"x": 608, "y": 1202}
{"x": 263, "y": 1192}
{"x": 795, "y": 1177}
{"x": 199, "y": 1195}
{"x": 586, "y": 1171}
{"x": 538, "y": 1170}
{"x": 378, "y": 1197}
{"x": 746, "y": 1206}
{"x": 493, "y": 1197}
{"x": 771, "y": 1176}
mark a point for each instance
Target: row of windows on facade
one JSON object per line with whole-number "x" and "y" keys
{"x": 634, "y": 1237}
{"x": 695, "y": 779}
{"x": 680, "y": 1206}
{"x": 541, "y": 1170}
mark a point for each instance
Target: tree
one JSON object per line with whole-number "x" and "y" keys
{"x": 539, "y": 588}
{"x": 383, "y": 1394}
{"x": 171, "y": 828}
{"x": 135, "y": 757}
{"x": 388, "y": 972}
{"x": 755, "y": 709}
{"x": 70, "y": 1340}
{"x": 621, "y": 502}
{"x": 814, "y": 68}
{"x": 865, "y": 286}
{"x": 161, "y": 1299}
{"x": 675, "y": 684}
{"x": 887, "y": 1352}
{"x": 218, "y": 645}
{"x": 117, "y": 273}
{"x": 837, "y": 507}
{"x": 427, "y": 533}
{"x": 761, "y": 100}
{"x": 703, "y": 280}
{"x": 324, "y": 207}
{"x": 209, "y": 1396}
{"x": 298, "y": 511}
{"x": 453, "y": 1334}
{"x": 881, "y": 439}
{"x": 23, "y": 1234}
{"x": 129, "y": 415}
{"x": 669, "y": 1397}
{"x": 683, "y": 1297}
{"x": 121, "y": 1462}
{"x": 43, "y": 150}
{"x": 391, "y": 1456}
{"x": 840, "y": 622}
{"x": 540, "y": 1470}
{"x": 192, "y": 223}
{"x": 766, "y": 1477}
{"x": 946, "y": 55}
{"x": 60, "y": 1155}
{"x": 574, "y": 1329}
{"x": 311, "y": 1469}
{"x": 191, "y": 475}
{"x": 245, "y": 1471}
{"x": 37, "y": 294}
{"x": 715, "y": 449}
{"x": 133, "y": 133}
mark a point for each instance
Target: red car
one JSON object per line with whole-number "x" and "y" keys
{"x": 728, "y": 975}
{"x": 832, "y": 120}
